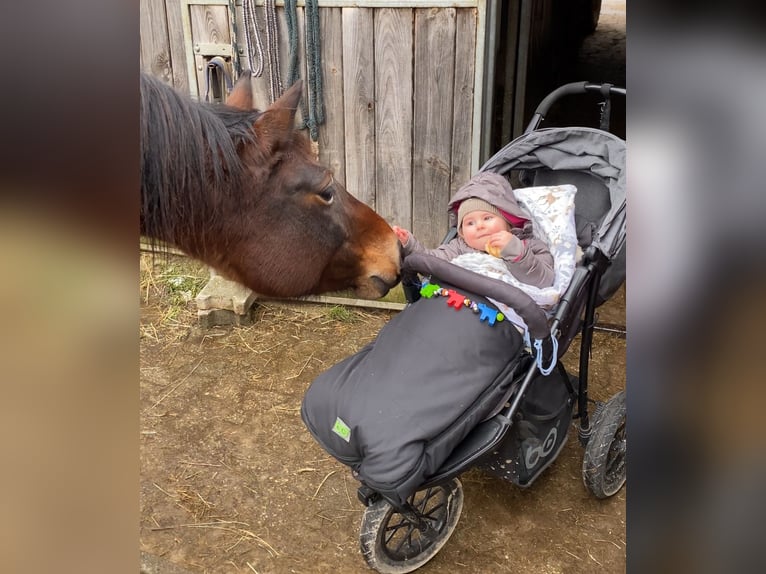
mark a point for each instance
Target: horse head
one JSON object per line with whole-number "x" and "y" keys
{"x": 302, "y": 232}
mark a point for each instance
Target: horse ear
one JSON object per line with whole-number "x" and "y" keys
{"x": 290, "y": 99}
{"x": 241, "y": 95}
{"x": 279, "y": 118}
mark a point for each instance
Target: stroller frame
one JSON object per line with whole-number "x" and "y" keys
{"x": 575, "y": 313}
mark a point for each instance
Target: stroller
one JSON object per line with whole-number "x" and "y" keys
{"x": 440, "y": 392}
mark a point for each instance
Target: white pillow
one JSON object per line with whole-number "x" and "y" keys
{"x": 552, "y": 208}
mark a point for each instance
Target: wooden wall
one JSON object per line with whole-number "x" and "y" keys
{"x": 399, "y": 82}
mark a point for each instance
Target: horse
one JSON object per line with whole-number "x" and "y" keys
{"x": 240, "y": 190}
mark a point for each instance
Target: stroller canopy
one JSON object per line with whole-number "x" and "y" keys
{"x": 582, "y": 149}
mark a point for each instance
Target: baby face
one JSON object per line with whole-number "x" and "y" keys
{"x": 479, "y": 225}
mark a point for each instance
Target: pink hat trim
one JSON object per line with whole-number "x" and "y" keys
{"x": 515, "y": 221}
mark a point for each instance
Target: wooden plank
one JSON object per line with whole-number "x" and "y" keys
{"x": 155, "y": 49}
{"x": 160, "y": 248}
{"x": 332, "y": 141}
{"x": 144, "y": 35}
{"x": 359, "y": 103}
{"x": 370, "y": 304}
{"x": 177, "y": 45}
{"x": 432, "y": 149}
{"x": 210, "y": 23}
{"x": 393, "y": 115}
{"x": 462, "y": 126}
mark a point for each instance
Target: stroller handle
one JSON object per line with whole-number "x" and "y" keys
{"x": 575, "y": 88}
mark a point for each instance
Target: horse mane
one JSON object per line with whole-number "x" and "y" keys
{"x": 190, "y": 166}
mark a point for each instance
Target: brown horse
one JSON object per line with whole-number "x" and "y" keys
{"x": 239, "y": 189}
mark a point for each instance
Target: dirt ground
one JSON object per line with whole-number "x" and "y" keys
{"x": 232, "y": 482}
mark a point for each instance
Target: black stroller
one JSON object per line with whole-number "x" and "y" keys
{"x": 408, "y": 418}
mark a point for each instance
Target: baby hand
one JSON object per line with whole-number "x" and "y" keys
{"x": 497, "y": 242}
{"x": 402, "y": 234}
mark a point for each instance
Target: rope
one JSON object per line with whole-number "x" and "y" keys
{"x": 235, "y": 66}
{"x": 314, "y": 63}
{"x": 293, "y": 70}
{"x": 253, "y": 49}
{"x": 291, "y": 18}
{"x": 272, "y": 41}
{"x": 312, "y": 107}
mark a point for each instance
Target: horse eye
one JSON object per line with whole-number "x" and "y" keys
{"x": 327, "y": 194}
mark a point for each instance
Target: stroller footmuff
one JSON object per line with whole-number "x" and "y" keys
{"x": 395, "y": 410}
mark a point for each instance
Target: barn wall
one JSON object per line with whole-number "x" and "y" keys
{"x": 409, "y": 87}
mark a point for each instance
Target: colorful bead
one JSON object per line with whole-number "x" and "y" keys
{"x": 488, "y": 314}
{"x": 458, "y": 301}
{"x": 428, "y": 290}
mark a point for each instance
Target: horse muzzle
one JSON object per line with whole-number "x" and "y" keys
{"x": 376, "y": 286}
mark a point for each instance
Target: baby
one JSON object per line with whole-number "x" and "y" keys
{"x": 489, "y": 219}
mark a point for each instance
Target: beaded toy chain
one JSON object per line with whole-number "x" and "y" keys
{"x": 459, "y": 301}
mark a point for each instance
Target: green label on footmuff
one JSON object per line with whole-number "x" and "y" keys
{"x": 341, "y": 429}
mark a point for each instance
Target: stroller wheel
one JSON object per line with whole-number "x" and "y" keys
{"x": 392, "y": 544}
{"x": 604, "y": 467}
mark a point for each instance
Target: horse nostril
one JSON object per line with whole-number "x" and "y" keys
{"x": 379, "y": 284}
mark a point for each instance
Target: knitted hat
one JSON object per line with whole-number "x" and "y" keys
{"x": 474, "y": 204}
